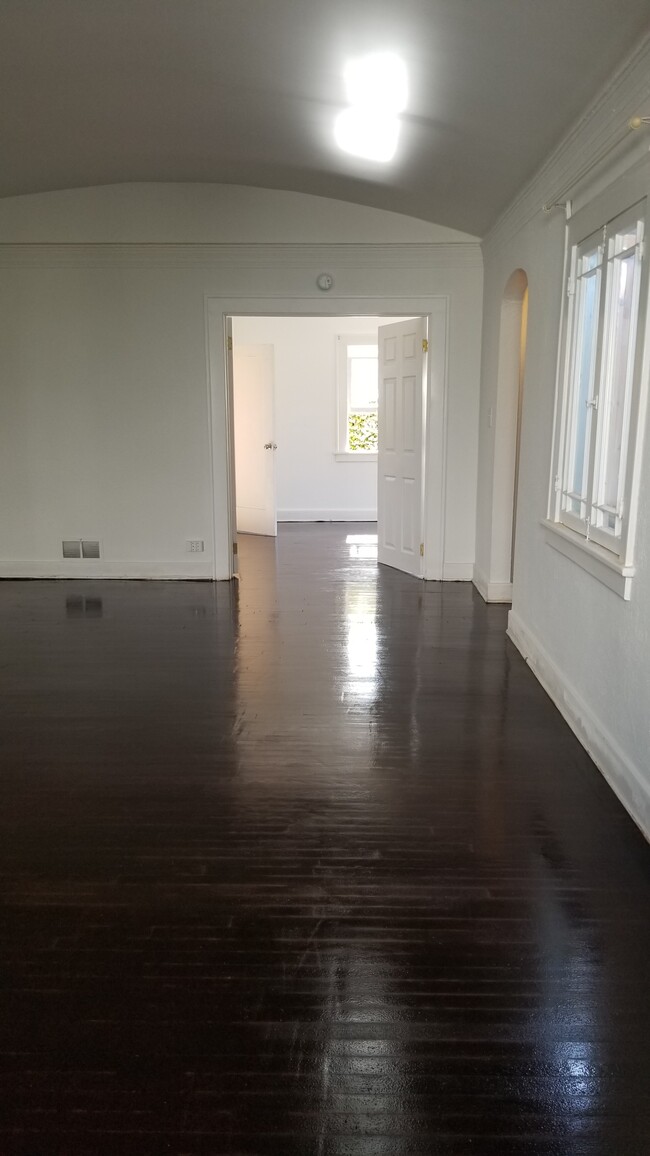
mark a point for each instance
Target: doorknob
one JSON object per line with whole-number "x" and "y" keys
{"x": 270, "y": 446}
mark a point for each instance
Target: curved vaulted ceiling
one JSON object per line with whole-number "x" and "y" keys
{"x": 246, "y": 91}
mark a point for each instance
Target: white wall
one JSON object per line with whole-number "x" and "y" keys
{"x": 203, "y": 213}
{"x": 109, "y": 396}
{"x": 103, "y": 418}
{"x": 311, "y": 484}
{"x": 494, "y": 529}
{"x": 590, "y": 649}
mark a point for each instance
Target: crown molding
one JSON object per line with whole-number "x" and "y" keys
{"x": 625, "y": 95}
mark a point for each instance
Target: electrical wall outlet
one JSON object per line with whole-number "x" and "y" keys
{"x": 195, "y": 545}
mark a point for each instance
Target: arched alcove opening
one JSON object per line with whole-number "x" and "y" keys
{"x": 507, "y": 434}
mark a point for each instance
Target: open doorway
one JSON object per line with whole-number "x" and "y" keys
{"x": 307, "y": 416}
{"x": 219, "y": 314}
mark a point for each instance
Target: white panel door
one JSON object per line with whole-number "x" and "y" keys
{"x": 254, "y": 439}
{"x": 402, "y": 363}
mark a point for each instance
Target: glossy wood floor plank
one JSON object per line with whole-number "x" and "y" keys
{"x": 307, "y": 866}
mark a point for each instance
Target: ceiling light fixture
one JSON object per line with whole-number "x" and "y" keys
{"x": 377, "y": 91}
{"x": 378, "y": 82}
{"x": 367, "y": 134}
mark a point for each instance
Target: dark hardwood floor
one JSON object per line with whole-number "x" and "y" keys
{"x": 308, "y": 866}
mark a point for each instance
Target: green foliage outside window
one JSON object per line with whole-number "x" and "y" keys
{"x": 362, "y": 431}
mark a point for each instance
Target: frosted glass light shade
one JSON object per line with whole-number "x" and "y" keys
{"x": 364, "y": 133}
{"x": 377, "y": 82}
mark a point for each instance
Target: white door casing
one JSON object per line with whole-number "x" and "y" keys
{"x": 253, "y": 387}
{"x": 219, "y": 310}
{"x": 230, "y": 424}
{"x": 402, "y": 367}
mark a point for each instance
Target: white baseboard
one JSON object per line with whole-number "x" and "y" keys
{"x": 481, "y": 583}
{"x": 491, "y": 591}
{"x": 457, "y": 571}
{"x": 327, "y": 515}
{"x": 623, "y": 776}
{"x": 193, "y": 570}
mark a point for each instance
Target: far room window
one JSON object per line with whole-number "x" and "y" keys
{"x": 600, "y": 399}
{"x": 358, "y": 387}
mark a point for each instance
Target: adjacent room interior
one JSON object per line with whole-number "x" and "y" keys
{"x": 312, "y": 383}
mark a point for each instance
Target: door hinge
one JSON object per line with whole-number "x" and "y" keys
{"x": 234, "y": 547}
{"x": 230, "y": 345}
{"x": 571, "y": 286}
{"x": 425, "y": 345}
{"x": 422, "y": 549}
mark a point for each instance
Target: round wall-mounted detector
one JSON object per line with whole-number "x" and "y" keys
{"x": 324, "y": 281}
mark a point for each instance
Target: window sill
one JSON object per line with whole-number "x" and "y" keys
{"x": 593, "y": 558}
{"x": 358, "y": 456}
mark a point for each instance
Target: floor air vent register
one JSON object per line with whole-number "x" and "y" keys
{"x": 80, "y": 548}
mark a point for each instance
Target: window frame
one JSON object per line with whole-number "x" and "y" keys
{"x": 343, "y": 341}
{"x": 606, "y": 554}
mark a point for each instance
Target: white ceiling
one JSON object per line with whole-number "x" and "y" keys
{"x": 245, "y": 91}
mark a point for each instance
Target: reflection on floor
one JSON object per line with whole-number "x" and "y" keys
{"x": 362, "y": 545}
{"x": 306, "y": 865}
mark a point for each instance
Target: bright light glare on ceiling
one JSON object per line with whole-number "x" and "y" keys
{"x": 377, "y": 91}
{"x": 367, "y": 134}
{"x": 377, "y": 82}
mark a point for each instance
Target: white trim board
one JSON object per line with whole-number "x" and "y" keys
{"x": 591, "y": 557}
{"x": 327, "y": 515}
{"x": 457, "y": 571}
{"x": 491, "y": 591}
{"x": 352, "y": 458}
{"x": 191, "y": 571}
{"x": 623, "y": 776}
